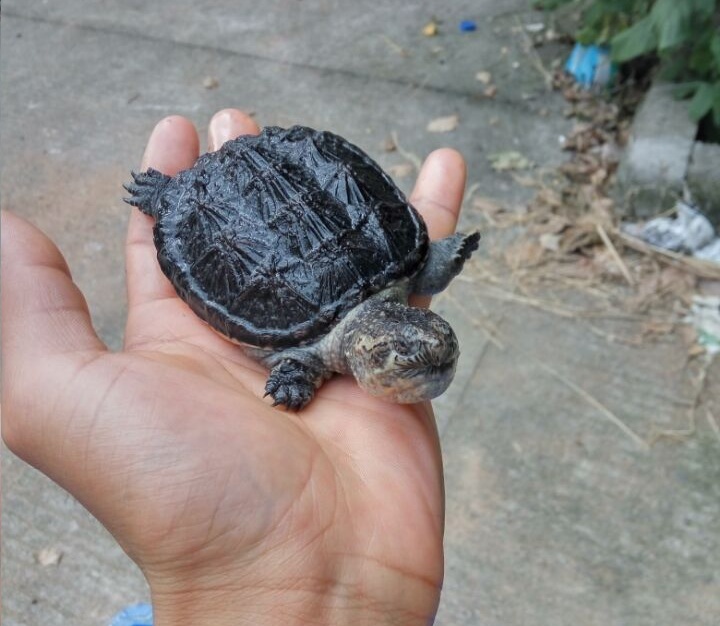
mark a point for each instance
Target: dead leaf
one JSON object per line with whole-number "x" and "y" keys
{"x": 688, "y": 334}
{"x": 678, "y": 283}
{"x": 553, "y": 224}
{"x": 509, "y": 160}
{"x": 49, "y": 556}
{"x": 604, "y": 262}
{"x": 578, "y": 236}
{"x": 484, "y": 77}
{"x": 430, "y": 29}
{"x": 549, "y": 197}
{"x": 389, "y": 144}
{"x": 657, "y": 327}
{"x": 602, "y": 209}
{"x": 598, "y": 177}
{"x": 401, "y": 170}
{"x": 524, "y": 254}
{"x": 487, "y": 206}
{"x": 444, "y": 124}
{"x": 525, "y": 181}
{"x": 490, "y": 91}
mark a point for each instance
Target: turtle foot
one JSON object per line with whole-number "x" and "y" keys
{"x": 145, "y": 190}
{"x": 290, "y": 384}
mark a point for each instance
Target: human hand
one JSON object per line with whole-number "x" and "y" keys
{"x": 236, "y": 512}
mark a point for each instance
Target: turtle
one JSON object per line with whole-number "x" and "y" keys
{"x": 295, "y": 244}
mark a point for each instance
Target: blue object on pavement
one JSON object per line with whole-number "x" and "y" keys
{"x": 467, "y": 26}
{"x": 134, "y": 615}
{"x": 591, "y": 65}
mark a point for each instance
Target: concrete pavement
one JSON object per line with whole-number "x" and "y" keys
{"x": 554, "y": 515}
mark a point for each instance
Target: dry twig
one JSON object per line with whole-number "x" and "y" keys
{"x": 615, "y": 255}
{"x": 535, "y": 57}
{"x": 684, "y": 433}
{"x": 410, "y": 156}
{"x": 713, "y": 423}
{"x": 698, "y": 267}
{"x": 593, "y": 401}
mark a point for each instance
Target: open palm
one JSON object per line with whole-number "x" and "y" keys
{"x": 236, "y": 512}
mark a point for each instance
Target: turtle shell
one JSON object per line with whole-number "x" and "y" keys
{"x": 275, "y": 237}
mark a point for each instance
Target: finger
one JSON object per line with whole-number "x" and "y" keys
{"x": 229, "y": 124}
{"x": 438, "y": 197}
{"x": 173, "y": 146}
{"x": 439, "y": 191}
{"x": 46, "y": 326}
{"x": 44, "y": 312}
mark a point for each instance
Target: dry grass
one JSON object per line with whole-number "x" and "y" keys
{"x": 567, "y": 242}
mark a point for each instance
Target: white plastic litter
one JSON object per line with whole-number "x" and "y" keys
{"x": 710, "y": 252}
{"x": 705, "y": 318}
{"x": 690, "y": 232}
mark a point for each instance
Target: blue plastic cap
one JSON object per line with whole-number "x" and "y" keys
{"x": 467, "y": 26}
{"x": 134, "y": 615}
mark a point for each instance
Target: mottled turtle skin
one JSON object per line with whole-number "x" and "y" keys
{"x": 296, "y": 244}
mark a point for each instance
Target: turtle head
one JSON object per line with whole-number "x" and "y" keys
{"x": 402, "y": 353}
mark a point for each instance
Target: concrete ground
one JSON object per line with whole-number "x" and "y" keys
{"x": 554, "y": 514}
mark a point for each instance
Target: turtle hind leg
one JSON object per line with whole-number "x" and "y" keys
{"x": 294, "y": 378}
{"x": 446, "y": 259}
{"x": 145, "y": 191}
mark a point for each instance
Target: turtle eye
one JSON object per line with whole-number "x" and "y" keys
{"x": 403, "y": 347}
{"x": 380, "y": 354}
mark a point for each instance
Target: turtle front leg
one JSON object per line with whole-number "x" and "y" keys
{"x": 295, "y": 375}
{"x": 446, "y": 258}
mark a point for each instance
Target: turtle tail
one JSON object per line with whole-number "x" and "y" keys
{"x": 145, "y": 191}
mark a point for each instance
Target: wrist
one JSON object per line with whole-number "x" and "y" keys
{"x": 300, "y": 602}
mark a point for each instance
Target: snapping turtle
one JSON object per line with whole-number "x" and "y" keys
{"x": 296, "y": 244}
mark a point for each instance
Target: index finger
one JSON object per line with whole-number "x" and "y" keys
{"x": 438, "y": 196}
{"x": 173, "y": 146}
{"x": 439, "y": 191}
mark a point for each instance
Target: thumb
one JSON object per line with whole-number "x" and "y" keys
{"x": 44, "y": 318}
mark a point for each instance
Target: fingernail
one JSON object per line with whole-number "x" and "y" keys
{"x": 159, "y": 128}
{"x": 220, "y": 129}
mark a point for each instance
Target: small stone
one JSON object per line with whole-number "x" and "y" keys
{"x": 49, "y": 556}
{"x": 210, "y": 82}
{"x": 430, "y": 29}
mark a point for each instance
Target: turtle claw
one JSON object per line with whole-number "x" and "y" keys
{"x": 289, "y": 385}
{"x": 145, "y": 189}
